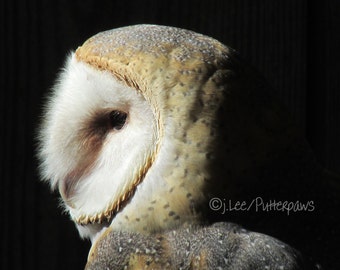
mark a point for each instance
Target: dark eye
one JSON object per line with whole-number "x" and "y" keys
{"x": 117, "y": 119}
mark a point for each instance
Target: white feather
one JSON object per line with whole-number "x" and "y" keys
{"x": 80, "y": 92}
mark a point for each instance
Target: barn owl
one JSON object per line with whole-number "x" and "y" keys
{"x": 145, "y": 125}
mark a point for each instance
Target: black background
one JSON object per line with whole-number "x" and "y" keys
{"x": 294, "y": 43}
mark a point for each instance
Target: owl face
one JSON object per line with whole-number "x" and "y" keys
{"x": 98, "y": 139}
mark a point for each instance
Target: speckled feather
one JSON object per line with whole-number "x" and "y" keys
{"x": 220, "y": 246}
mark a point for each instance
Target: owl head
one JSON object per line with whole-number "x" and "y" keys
{"x": 146, "y": 123}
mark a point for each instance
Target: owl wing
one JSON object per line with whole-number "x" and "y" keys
{"x": 218, "y": 246}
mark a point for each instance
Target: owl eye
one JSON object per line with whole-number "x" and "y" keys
{"x": 117, "y": 119}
